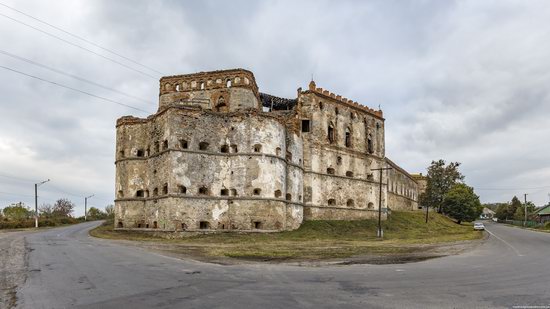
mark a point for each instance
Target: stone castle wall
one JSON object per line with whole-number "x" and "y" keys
{"x": 211, "y": 159}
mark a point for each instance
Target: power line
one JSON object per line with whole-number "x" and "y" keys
{"x": 509, "y": 189}
{"x": 70, "y": 75}
{"x": 74, "y": 89}
{"x": 78, "y": 46}
{"x": 81, "y": 38}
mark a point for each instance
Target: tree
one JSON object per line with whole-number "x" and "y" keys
{"x": 16, "y": 212}
{"x": 45, "y": 210}
{"x": 519, "y": 214}
{"x": 502, "y": 211}
{"x": 110, "y": 210}
{"x": 62, "y": 208}
{"x": 441, "y": 178}
{"x": 462, "y": 204}
{"x": 96, "y": 214}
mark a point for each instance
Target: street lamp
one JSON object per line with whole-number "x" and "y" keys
{"x": 380, "y": 233}
{"x": 86, "y": 205}
{"x": 36, "y": 185}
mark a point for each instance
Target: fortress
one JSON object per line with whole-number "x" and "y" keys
{"x": 220, "y": 155}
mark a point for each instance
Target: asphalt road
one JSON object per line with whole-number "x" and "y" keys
{"x": 69, "y": 269}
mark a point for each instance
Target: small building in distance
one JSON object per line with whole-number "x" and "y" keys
{"x": 220, "y": 155}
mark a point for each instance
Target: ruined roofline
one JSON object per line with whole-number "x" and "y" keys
{"x": 399, "y": 169}
{"x": 278, "y": 102}
{"x": 207, "y": 73}
{"x": 339, "y": 99}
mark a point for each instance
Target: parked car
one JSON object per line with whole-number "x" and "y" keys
{"x": 478, "y": 226}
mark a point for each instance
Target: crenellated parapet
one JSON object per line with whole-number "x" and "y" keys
{"x": 338, "y": 98}
{"x": 209, "y": 81}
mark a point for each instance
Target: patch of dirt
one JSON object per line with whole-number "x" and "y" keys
{"x": 13, "y": 266}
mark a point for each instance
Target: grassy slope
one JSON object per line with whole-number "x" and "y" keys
{"x": 320, "y": 239}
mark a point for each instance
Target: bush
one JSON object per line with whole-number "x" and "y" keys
{"x": 28, "y": 223}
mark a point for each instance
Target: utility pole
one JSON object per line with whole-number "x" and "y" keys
{"x": 525, "y": 207}
{"x": 380, "y": 233}
{"x": 86, "y": 205}
{"x": 36, "y": 185}
{"x": 427, "y": 213}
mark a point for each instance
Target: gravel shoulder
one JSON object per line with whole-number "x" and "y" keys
{"x": 13, "y": 266}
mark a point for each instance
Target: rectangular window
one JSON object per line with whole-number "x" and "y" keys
{"x": 305, "y": 125}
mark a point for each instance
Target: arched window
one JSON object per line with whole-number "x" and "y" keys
{"x": 183, "y": 144}
{"x": 178, "y": 88}
{"x": 330, "y": 171}
{"x": 288, "y": 197}
{"x": 120, "y": 225}
{"x": 370, "y": 146}
{"x": 228, "y": 83}
{"x": 182, "y": 189}
{"x": 339, "y": 160}
{"x": 347, "y": 140}
{"x": 155, "y": 225}
{"x": 224, "y": 149}
{"x": 165, "y": 145}
{"x": 370, "y": 205}
{"x": 278, "y": 151}
{"x": 330, "y": 132}
{"x": 202, "y": 85}
{"x": 350, "y": 203}
{"x": 165, "y": 189}
{"x": 203, "y": 146}
{"x": 336, "y": 110}
{"x": 221, "y": 106}
{"x": 257, "y": 148}
{"x": 204, "y": 225}
{"x": 331, "y": 202}
{"x": 120, "y": 193}
{"x": 349, "y": 174}
{"x": 320, "y": 105}
{"x": 278, "y": 193}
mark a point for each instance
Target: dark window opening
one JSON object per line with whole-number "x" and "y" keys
{"x": 257, "y": 191}
{"x": 339, "y": 160}
{"x": 183, "y": 144}
{"x": 289, "y": 156}
{"x": 182, "y": 189}
{"x": 139, "y": 193}
{"x": 224, "y": 149}
{"x": 370, "y": 147}
{"x": 234, "y": 192}
{"x": 257, "y": 148}
{"x": 347, "y": 141}
{"x": 278, "y": 193}
{"x": 320, "y": 105}
{"x": 120, "y": 193}
{"x": 120, "y": 224}
{"x": 224, "y": 192}
{"x": 330, "y": 171}
{"x": 155, "y": 191}
{"x": 140, "y": 153}
{"x": 336, "y": 110}
{"x": 165, "y": 145}
{"x": 349, "y": 174}
{"x": 147, "y": 225}
{"x": 121, "y": 153}
{"x": 257, "y": 225}
{"x": 204, "y": 225}
{"x": 139, "y": 225}
{"x": 350, "y": 203}
{"x": 288, "y": 197}
{"x": 305, "y": 125}
{"x": 228, "y": 83}
{"x": 278, "y": 151}
{"x": 183, "y": 226}
{"x": 157, "y": 147}
{"x": 331, "y": 133}
{"x": 203, "y": 190}
{"x": 331, "y": 202}
{"x": 203, "y": 146}
{"x": 155, "y": 225}
{"x": 234, "y": 148}
{"x": 370, "y": 206}
{"x": 370, "y": 177}
{"x": 165, "y": 189}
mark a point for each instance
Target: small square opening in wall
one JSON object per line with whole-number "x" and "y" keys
{"x": 257, "y": 191}
{"x": 204, "y": 225}
{"x": 224, "y": 192}
{"x": 257, "y": 225}
{"x": 305, "y": 125}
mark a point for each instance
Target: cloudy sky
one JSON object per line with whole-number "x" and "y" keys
{"x": 465, "y": 81}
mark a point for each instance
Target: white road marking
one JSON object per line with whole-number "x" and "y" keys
{"x": 507, "y": 243}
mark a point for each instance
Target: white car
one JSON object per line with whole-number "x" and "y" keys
{"x": 478, "y": 226}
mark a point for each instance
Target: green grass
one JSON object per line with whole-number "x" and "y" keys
{"x": 404, "y": 232}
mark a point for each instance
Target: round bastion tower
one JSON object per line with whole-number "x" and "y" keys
{"x": 210, "y": 158}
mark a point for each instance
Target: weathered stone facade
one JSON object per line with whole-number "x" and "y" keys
{"x": 220, "y": 155}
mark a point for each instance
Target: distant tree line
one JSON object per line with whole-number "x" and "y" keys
{"x": 18, "y": 215}
{"x": 447, "y": 193}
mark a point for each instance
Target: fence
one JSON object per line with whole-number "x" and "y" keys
{"x": 533, "y": 224}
